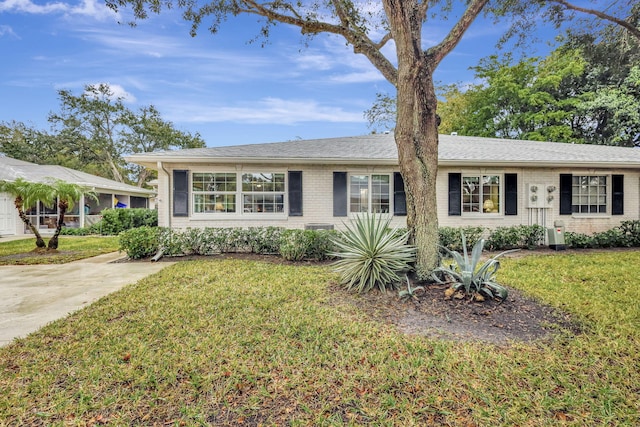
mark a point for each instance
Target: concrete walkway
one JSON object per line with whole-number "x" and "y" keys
{"x": 33, "y": 295}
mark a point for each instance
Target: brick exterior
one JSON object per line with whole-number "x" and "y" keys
{"x": 318, "y": 198}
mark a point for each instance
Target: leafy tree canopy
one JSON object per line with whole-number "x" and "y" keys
{"x": 92, "y": 132}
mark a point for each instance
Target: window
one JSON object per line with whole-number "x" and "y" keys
{"x": 214, "y": 192}
{"x": 263, "y": 192}
{"x": 589, "y": 194}
{"x": 481, "y": 194}
{"x": 369, "y": 193}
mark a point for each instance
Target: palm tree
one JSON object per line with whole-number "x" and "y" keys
{"x": 67, "y": 195}
{"x": 28, "y": 194}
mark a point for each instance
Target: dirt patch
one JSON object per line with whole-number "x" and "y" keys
{"x": 517, "y": 319}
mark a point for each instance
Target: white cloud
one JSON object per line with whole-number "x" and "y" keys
{"x": 6, "y": 30}
{"x": 118, "y": 92}
{"x": 89, "y": 8}
{"x": 265, "y": 111}
{"x": 27, "y": 6}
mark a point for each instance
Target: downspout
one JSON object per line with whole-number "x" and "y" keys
{"x": 168, "y": 218}
{"x": 160, "y": 253}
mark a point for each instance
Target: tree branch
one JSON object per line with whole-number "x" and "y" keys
{"x": 628, "y": 26}
{"x": 360, "y": 42}
{"x": 438, "y": 52}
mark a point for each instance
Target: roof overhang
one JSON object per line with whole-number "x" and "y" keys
{"x": 152, "y": 162}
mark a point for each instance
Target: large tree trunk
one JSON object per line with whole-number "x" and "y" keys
{"x": 416, "y": 132}
{"x": 417, "y": 141}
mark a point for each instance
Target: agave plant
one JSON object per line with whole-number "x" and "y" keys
{"x": 465, "y": 275}
{"x": 370, "y": 254}
{"x": 410, "y": 292}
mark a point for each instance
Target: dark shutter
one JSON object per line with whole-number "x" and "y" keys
{"x": 295, "y": 193}
{"x": 511, "y": 194}
{"x": 617, "y": 199}
{"x": 180, "y": 193}
{"x": 455, "y": 194}
{"x": 339, "y": 194}
{"x": 566, "y": 181}
{"x": 399, "y": 197}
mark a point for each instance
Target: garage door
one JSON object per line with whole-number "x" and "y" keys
{"x": 7, "y": 215}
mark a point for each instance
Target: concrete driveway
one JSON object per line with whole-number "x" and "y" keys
{"x": 32, "y": 296}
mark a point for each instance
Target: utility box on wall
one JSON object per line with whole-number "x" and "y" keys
{"x": 556, "y": 236}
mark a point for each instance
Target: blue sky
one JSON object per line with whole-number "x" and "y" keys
{"x": 229, "y": 91}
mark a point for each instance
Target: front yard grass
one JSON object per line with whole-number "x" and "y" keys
{"x": 71, "y": 248}
{"x": 230, "y": 342}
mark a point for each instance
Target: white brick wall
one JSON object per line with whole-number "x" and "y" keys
{"x": 318, "y": 199}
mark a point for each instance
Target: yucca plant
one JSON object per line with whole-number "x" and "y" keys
{"x": 465, "y": 275}
{"x": 370, "y": 254}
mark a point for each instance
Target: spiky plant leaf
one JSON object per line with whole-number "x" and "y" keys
{"x": 370, "y": 254}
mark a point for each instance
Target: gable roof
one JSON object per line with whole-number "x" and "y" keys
{"x": 381, "y": 149}
{"x": 11, "y": 169}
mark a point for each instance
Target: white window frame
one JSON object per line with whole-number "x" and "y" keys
{"x": 482, "y": 211}
{"x": 607, "y": 195}
{"x": 213, "y": 192}
{"x": 370, "y": 192}
{"x": 240, "y": 212}
{"x": 245, "y": 209}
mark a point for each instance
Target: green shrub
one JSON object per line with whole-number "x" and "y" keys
{"x": 517, "y": 236}
{"x": 115, "y": 221}
{"x": 170, "y": 241}
{"x": 577, "y": 240}
{"x": 469, "y": 276}
{"x": 450, "y": 236}
{"x": 631, "y": 232}
{"x": 613, "y": 238}
{"x": 294, "y": 244}
{"x": 264, "y": 240}
{"x": 371, "y": 254}
{"x": 322, "y": 244}
{"x": 82, "y": 231}
{"x": 140, "y": 242}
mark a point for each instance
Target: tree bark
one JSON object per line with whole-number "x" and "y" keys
{"x": 416, "y": 132}
{"x": 25, "y": 219}
{"x": 53, "y": 242}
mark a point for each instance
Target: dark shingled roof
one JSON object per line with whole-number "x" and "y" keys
{"x": 381, "y": 149}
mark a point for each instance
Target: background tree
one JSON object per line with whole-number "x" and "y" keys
{"x": 145, "y": 131}
{"x": 90, "y": 126}
{"x": 92, "y": 132}
{"x": 368, "y": 28}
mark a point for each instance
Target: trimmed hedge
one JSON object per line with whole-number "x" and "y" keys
{"x": 296, "y": 245}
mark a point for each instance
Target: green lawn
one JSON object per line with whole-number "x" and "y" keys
{"x": 232, "y": 342}
{"x": 70, "y": 248}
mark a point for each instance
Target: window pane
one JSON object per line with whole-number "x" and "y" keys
{"x": 263, "y": 203}
{"x": 210, "y": 203}
{"x": 359, "y": 190}
{"x": 380, "y": 193}
{"x": 590, "y": 196}
{"x": 491, "y": 194}
{"x": 471, "y": 194}
{"x": 213, "y": 182}
{"x": 263, "y": 182}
